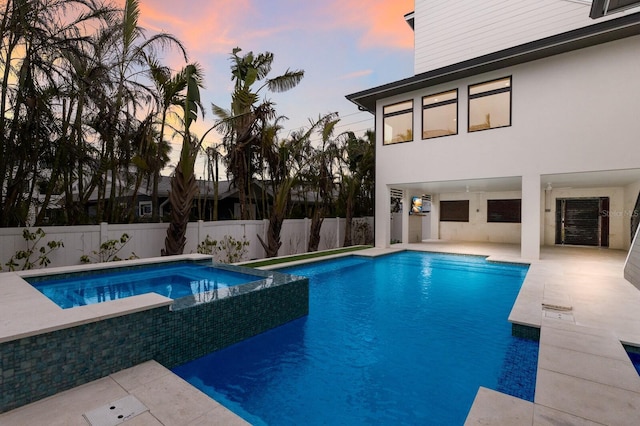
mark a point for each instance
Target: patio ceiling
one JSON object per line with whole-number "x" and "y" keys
{"x": 599, "y": 179}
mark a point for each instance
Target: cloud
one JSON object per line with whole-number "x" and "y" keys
{"x": 203, "y": 26}
{"x": 355, "y": 74}
{"x": 381, "y": 22}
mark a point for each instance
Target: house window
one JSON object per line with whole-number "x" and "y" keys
{"x": 398, "y": 122}
{"x": 144, "y": 208}
{"x": 490, "y": 105}
{"x": 440, "y": 115}
{"x": 454, "y": 211}
{"x": 504, "y": 211}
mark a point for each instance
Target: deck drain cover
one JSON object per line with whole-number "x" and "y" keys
{"x": 115, "y": 413}
{"x": 565, "y": 316}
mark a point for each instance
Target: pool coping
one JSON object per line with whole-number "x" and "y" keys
{"x": 17, "y": 320}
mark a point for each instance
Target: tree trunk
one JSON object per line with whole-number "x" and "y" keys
{"x": 183, "y": 191}
{"x": 316, "y": 226}
{"x": 349, "y": 217}
{"x": 273, "y": 235}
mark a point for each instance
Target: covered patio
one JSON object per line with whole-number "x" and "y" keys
{"x": 540, "y": 200}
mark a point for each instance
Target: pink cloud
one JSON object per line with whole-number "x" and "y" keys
{"x": 201, "y": 26}
{"x": 355, "y": 74}
{"x": 381, "y": 21}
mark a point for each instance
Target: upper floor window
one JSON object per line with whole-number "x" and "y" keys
{"x": 440, "y": 114}
{"x": 490, "y": 105}
{"x": 398, "y": 122}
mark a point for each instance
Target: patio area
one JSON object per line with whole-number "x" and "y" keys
{"x": 584, "y": 374}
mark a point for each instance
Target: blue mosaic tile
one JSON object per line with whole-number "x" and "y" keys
{"x": 519, "y": 369}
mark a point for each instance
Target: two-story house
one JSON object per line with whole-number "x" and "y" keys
{"x": 521, "y": 124}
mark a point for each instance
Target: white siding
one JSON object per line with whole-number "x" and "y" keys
{"x": 457, "y": 30}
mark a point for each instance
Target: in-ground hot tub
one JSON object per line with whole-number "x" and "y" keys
{"x": 78, "y": 345}
{"x": 200, "y": 279}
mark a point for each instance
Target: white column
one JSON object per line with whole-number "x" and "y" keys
{"x": 406, "y": 208}
{"x": 383, "y": 217}
{"x": 435, "y": 216}
{"x": 530, "y": 234}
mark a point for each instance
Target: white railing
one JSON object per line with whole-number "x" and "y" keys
{"x": 147, "y": 239}
{"x": 632, "y": 264}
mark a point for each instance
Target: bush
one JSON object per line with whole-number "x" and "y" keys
{"x": 108, "y": 251}
{"x": 227, "y": 250}
{"x": 22, "y": 259}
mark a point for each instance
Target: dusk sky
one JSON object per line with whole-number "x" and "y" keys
{"x": 343, "y": 46}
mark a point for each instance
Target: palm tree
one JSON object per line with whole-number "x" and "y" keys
{"x": 168, "y": 90}
{"x": 286, "y": 161}
{"x": 183, "y": 182}
{"x": 70, "y": 99}
{"x": 246, "y": 118}
{"x": 33, "y": 119}
{"x": 131, "y": 52}
{"x": 357, "y": 177}
{"x": 321, "y": 177}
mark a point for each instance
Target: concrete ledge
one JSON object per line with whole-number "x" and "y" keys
{"x": 497, "y": 409}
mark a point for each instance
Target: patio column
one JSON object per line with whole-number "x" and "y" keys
{"x": 531, "y": 205}
{"x": 406, "y": 208}
{"x": 435, "y": 217}
{"x": 383, "y": 217}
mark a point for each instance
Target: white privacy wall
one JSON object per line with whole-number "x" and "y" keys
{"x": 452, "y": 31}
{"x": 575, "y": 112}
{"x": 147, "y": 239}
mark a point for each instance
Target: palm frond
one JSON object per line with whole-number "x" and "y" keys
{"x": 130, "y": 29}
{"x": 286, "y": 81}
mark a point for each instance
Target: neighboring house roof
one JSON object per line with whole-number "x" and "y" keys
{"x": 205, "y": 187}
{"x": 601, "y": 32}
{"x": 226, "y": 189}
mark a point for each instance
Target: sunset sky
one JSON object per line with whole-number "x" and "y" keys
{"x": 343, "y": 46}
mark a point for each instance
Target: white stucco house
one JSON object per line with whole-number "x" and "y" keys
{"x": 521, "y": 124}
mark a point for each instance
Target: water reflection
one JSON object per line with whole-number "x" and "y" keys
{"x": 196, "y": 282}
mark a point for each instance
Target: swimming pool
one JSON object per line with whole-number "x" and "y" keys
{"x": 401, "y": 339}
{"x": 174, "y": 280}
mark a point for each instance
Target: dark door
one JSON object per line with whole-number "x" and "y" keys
{"x": 582, "y": 221}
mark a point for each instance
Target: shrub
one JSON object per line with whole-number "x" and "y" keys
{"x": 227, "y": 250}
{"x": 22, "y": 259}
{"x": 108, "y": 251}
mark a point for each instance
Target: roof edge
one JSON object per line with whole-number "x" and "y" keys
{"x": 602, "y": 32}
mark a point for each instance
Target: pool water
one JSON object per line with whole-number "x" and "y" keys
{"x": 173, "y": 280}
{"x": 406, "y": 338}
{"x": 635, "y": 359}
